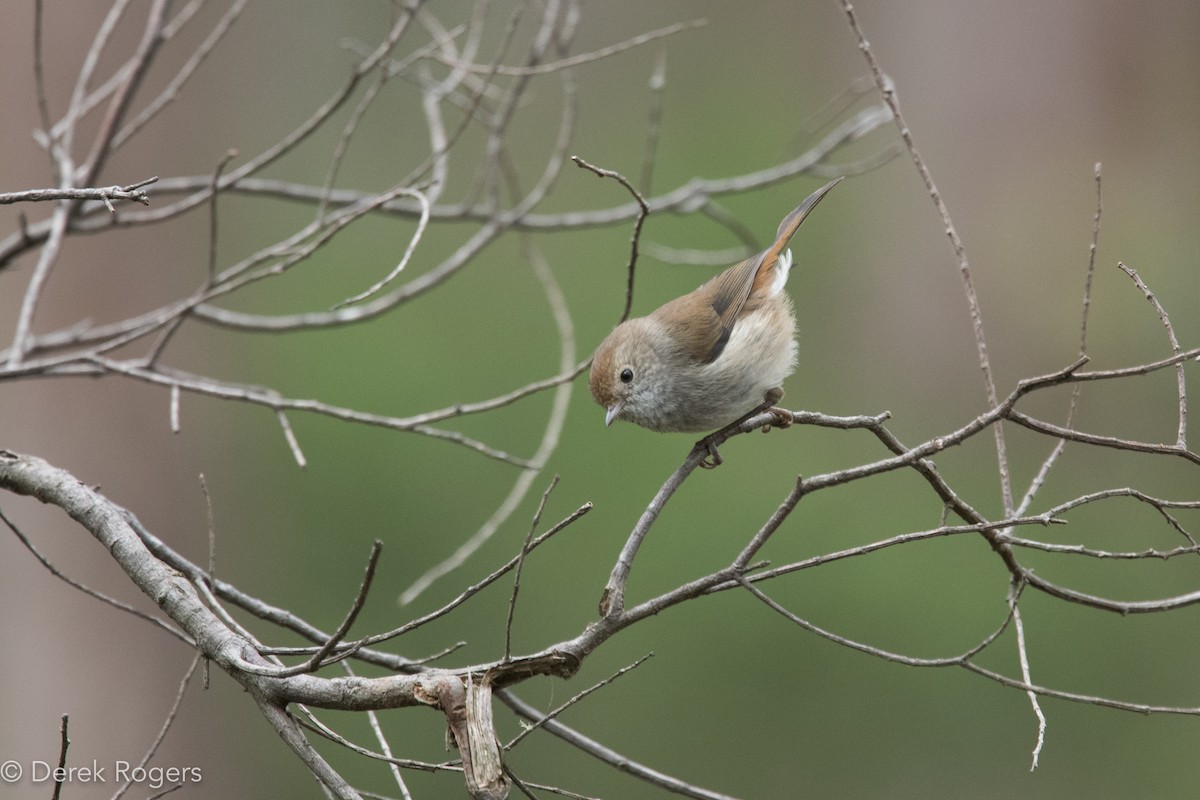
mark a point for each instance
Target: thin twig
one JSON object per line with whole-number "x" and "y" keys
{"x": 267, "y": 398}
{"x": 612, "y": 601}
{"x": 1103, "y": 441}
{"x": 213, "y": 237}
{"x": 541, "y": 721}
{"x": 288, "y": 728}
{"x": 635, "y": 237}
{"x": 512, "y": 602}
{"x": 118, "y": 104}
{"x": 173, "y": 88}
{"x": 75, "y": 109}
{"x": 888, "y": 90}
{"x": 961, "y": 659}
{"x": 39, "y": 77}
{"x": 212, "y": 529}
{"x": 1060, "y": 445}
{"x": 166, "y": 726}
{"x": 607, "y": 754}
{"x": 892, "y": 541}
{"x": 582, "y": 58}
{"x": 90, "y": 592}
{"x": 348, "y": 130}
{"x": 408, "y": 252}
{"x": 60, "y": 220}
{"x": 656, "y": 85}
{"x": 1180, "y": 377}
{"x": 1091, "y": 267}
{"x": 1026, "y": 674}
{"x": 290, "y": 436}
{"x": 210, "y": 279}
{"x": 385, "y": 746}
{"x": 105, "y": 194}
{"x": 64, "y": 743}
{"x": 967, "y": 663}
{"x": 550, "y": 435}
{"x": 318, "y": 659}
{"x": 475, "y": 588}
{"x": 313, "y": 723}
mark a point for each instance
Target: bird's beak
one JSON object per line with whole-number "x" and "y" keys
{"x": 612, "y": 413}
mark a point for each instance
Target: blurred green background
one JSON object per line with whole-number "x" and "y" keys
{"x": 1011, "y": 105}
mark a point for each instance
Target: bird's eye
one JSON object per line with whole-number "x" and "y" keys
{"x": 626, "y": 375}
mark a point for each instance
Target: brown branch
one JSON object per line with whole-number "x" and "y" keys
{"x": 1100, "y": 441}
{"x": 888, "y": 90}
{"x": 635, "y": 237}
{"x": 63, "y": 744}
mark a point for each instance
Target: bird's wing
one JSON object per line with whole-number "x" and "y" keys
{"x": 702, "y": 321}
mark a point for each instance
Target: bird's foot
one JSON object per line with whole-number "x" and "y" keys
{"x": 713, "y": 459}
{"x": 783, "y": 419}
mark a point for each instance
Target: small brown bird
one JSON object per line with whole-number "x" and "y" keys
{"x": 703, "y": 360}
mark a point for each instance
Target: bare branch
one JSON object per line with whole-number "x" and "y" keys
{"x": 376, "y": 287}
{"x": 289, "y": 730}
{"x": 512, "y": 602}
{"x": 290, "y": 436}
{"x": 550, "y": 437}
{"x": 189, "y": 68}
{"x": 1091, "y": 267}
{"x": 466, "y": 181}
{"x": 41, "y": 273}
{"x": 90, "y": 592}
{"x": 118, "y": 104}
{"x": 1060, "y": 445}
{"x": 634, "y": 238}
{"x": 608, "y": 755}
{"x": 105, "y": 194}
{"x": 582, "y": 58}
{"x": 888, "y": 91}
{"x": 1180, "y": 378}
{"x": 318, "y": 659}
{"x": 264, "y": 397}
{"x": 64, "y": 743}
{"x": 166, "y": 726}
{"x": 541, "y": 721}
{"x": 39, "y": 74}
{"x": 682, "y": 199}
{"x": 1101, "y": 441}
{"x": 1026, "y": 673}
{"x": 656, "y": 85}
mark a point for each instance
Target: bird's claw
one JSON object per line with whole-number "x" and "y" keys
{"x": 713, "y": 459}
{"x": 783, "y": 419}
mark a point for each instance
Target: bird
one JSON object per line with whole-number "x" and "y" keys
{"x": 713, "y": 357}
